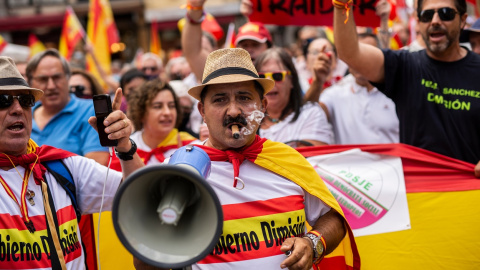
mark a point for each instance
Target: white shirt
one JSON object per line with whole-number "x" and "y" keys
{"x": 311, "y": 124}
{"x": 267, "y": 203}
{"x": 28, "y": 250}
{"x": 137, "y": 137}
{"x": 359, "y": 116}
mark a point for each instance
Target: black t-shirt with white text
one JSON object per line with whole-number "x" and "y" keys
{"x": 437, "y": 103}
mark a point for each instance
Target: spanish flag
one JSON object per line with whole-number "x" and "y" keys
{"x": 72, "y": 33}
{"x": 395, "y": 42}
{"x": 3, "y": 43}
{"x": 230, "y": 39}
{"x": 35, "y": 45}
{"x": 102, "y": 33}
{"x": 155, "y": 42}
{"x": 443, "y": 197}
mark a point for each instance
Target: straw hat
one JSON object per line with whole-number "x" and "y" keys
{"x": 229, "y": 66}
{"x": 11, "y": 79}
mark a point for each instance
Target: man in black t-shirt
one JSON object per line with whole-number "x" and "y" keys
{"x": 436, "y": 90}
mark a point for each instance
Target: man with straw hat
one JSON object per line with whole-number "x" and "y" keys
{"x": 38, "y": 224}
{"x": 268, "y": 190}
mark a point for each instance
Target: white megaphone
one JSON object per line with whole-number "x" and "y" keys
{"x": 167, "y": 215}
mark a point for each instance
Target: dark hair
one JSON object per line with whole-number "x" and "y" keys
{"x": 96, "y": 88}
{"x": 257, "y": 85}
{"x": 367, "y": 35}
{"x": 33, "y": 63}
{"x": 139, "y": 101}
{"x": 460, "y": 5}
{"x": 309, "y": 41}
{"x": 295, "y": 100}
{"x": 130, "y": 75}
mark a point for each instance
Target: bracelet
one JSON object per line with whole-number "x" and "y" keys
{"x": 342, "y": 5}
{"x": 324, "y": 244}
{"x": 192, "y": 21}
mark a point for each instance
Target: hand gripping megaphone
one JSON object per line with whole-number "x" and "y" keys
{"x": 167, "y": 215}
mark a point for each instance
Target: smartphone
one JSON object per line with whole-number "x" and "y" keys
{"x": 103, "y": 107}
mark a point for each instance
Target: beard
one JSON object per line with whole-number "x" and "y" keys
{"x": 439, "y": 47}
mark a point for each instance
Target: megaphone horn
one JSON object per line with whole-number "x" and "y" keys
{"x": 167, "y": 215}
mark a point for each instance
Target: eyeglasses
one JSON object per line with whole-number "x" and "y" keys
{"x": 276, "y": 76}
{"x": 43, "y": 80}
{"x": 25, "y": 100}
{"x": 153, "y": 69}
{"x": 445, "y": 14}
{"x": 78, "y": 91}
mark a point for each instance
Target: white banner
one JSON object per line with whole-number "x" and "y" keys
{"x": 370, "y": 188}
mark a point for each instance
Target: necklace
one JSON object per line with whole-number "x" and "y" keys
{"x": 273, "y": 120}
{"x": 25, "y": 195}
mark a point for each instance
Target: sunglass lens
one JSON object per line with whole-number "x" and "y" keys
{"x": 261, "y": 76}
{"x": 446, "y": 14}
{"x": 5, "y": 101}
{"x": 277, "y": 76}
{"x": 26, "y": 100}
{"x": 426, "y": 15}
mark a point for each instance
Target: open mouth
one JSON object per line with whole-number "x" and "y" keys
{"x": 16, "y": 127}
{"x": 436, "y": 36}
{"x": 271, "y": 94}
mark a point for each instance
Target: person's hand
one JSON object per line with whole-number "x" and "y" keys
{"x": 477, "y": 170}
{"x": 322, "y": 66}
{"x": 118, "y": 126}
{"x": 196, "y": 3}
{"x": 203, "y": 134}
{"x": 301, "y": 257}
{"x": 382, "y": 9}
{"x": 246, "y": 8}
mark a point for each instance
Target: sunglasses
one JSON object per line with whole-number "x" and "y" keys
{"x": 78, "y": 91}
{"x": 276, "y": 76}
{"x": 25, "y": 100}
{"x": 445, "y": 14}
{"x": 153, "y": 69}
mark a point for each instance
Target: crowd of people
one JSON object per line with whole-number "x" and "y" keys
{"x": 352, "y": 91}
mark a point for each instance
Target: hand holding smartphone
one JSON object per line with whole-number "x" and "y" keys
{"x": 103, "y": 107}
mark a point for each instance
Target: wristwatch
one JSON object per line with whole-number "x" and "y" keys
{"x": 318, "y": 248}
{"x": 127, "y": 155}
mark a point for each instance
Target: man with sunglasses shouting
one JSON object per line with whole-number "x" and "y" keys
{"x": 436, "y": 91}
{"x": 38, "y": 225}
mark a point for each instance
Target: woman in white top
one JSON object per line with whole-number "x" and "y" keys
{"x": 288, "y": 119}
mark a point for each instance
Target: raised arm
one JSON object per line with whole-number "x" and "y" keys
{"x": 192, "y": 37}
{"x": 368, "y": 60}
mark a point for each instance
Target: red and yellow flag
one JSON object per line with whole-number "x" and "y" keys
{"x": 102, "y": 33}
{"x": 395, "y": 42}
{"x": 442, "y": 196}
{"x": 230, "y": 39}
{"x": 3, "y": 43}
{"x": 155, "y": 42}
{"x": 35, "y": 45}
{"x": 72, "y": 33}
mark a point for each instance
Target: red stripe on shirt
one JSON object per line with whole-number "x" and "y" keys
{"x": 262, "y": 208}
{"x": 8, "y": 221}
{"x": 241, "y": 255}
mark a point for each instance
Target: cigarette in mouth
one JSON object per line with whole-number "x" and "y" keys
{"x": 235, "y": 132}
